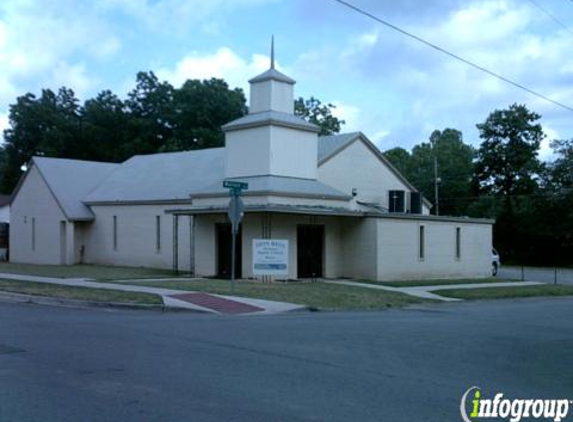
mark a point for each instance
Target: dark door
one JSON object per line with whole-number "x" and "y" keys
{"x": 224, "y": 252}
{"x": 309, "y": 247}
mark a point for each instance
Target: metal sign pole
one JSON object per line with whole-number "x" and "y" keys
{"x": 236, "y": 208}
{"x": 233, "y": 256}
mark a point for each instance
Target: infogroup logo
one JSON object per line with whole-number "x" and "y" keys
{"x": 514, "y": 410}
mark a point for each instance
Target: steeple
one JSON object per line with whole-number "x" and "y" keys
{"x": 272, "y": 52}
{"x": 272, "y": 90}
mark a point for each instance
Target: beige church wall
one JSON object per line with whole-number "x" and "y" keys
{"x": 35, "y": 206}
{"x": 272, "y": 200}
{"x": 357, "y": 167}
{"x": 359, "y": 248}
{"x": 282, "y": 226}
{"x": 206, "y": 243}
{"x": 398, "y": 243}
{"x": 136, "y": 237}
{"x": 247, "y": 152}
{"x": 293, "y": 153}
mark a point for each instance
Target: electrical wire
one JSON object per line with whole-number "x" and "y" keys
{"x": 455, "y": 56}
{"x": 551, "y": 16}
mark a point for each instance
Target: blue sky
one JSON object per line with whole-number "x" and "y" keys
{"x": 388, "y": 86}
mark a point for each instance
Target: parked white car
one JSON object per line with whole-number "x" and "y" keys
{"x": 496, "y": 262}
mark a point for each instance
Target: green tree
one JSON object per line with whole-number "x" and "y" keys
{"x": 455, "y": 169}
{"x": 48, "y": 125}
{"x": 507, "y": 162}
{"x": 105, "y": 128}
{"x": 150, "y": 105}
{"x": 313, "y": 111}
{"x": 401, "y": 159}
{"x": 200, "y": 108}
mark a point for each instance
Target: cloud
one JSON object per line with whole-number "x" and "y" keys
{"x": 224, "y": 63}
{"x": 178, "y": 15}
{"x": 407, "y": 89}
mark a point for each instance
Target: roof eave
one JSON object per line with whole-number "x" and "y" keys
{"x": 229, "y": 127}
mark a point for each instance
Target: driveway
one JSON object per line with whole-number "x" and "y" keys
{"x": 69, "y": 365}
{"x": 544, "y": 275}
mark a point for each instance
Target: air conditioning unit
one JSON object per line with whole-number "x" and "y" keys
{"x": 415, "y": 203}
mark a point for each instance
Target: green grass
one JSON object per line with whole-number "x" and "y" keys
{"x": 315, "y": 295}
{"x": 541, "y": 290}
{"x": 98, "y": 272}
{"x": 78, "y": 293}
{"x": 414, "y": 283}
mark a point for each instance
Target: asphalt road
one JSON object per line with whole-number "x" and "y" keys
{"x": 59, "y": 364}
{"x": 545, "y": 275}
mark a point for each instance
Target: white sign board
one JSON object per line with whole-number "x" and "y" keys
{"x": 270, "y": 257}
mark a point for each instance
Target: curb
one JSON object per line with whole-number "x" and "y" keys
{"x": 11, "y": 297}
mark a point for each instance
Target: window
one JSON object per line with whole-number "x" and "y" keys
{"x": 422, "y": 251}
{"x": 157, "y": 233}
{"x": 115, "y": 232}
{"x": 458, "y": 243}
{"x": 33, "y": 233}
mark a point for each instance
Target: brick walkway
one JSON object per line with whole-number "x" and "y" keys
{"x": 219, "y": 304}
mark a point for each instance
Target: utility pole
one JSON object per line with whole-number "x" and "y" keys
{"x": 437, "y": 181}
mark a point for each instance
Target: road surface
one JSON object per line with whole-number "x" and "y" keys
{"x": 61, "y": 364}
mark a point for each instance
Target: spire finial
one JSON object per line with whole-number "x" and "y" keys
{"x": 272, "y": 52}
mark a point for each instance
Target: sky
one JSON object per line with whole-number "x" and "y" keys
{"x": 394, "y": 89}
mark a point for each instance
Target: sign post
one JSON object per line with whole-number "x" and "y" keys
{"x": 236, "y": 211}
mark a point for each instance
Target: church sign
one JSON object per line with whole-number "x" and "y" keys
{"x": 270, "y": 257}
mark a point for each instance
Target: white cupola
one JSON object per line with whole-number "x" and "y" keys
{"x": 271, "y": 140}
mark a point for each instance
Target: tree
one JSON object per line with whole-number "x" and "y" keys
{"x": 313, "y": 111}
{"x": 455, "y": 169}
{"x": 200, "y": 109}
{"x": 49, "y": 125}
{"x": 561, "y": 170}
{"x": 401, "y": 159}
{"x": 507, "y": 162}
{"x": 105, "y": 127}
{"x": 507, "y": 167}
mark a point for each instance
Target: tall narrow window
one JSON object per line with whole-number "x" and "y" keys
{"x": 33, "y": 233}
{"x": 422, "y": 250}
{"x": 157, "y": 233}
{"x": 115, "y": 232}
{"x": 458, "y": 243}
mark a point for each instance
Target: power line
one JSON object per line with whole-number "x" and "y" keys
{"x": 455, "y": 56}
{"x": 551, "y": 16}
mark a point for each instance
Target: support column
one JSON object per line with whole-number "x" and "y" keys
{"x": 192, "y": 245}
{"x": 176, "y": 244}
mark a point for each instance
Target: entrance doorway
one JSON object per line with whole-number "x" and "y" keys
{"x": 224, "y": 258}
{"x": 309, "y": 250}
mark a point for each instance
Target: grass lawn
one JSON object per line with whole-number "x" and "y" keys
{"x": 508, "y": 292}
{"x": 414, "y": 283}
{"x": 315, "y": 295}
{"x": 98, "y": 272}
{"x": 78, "y": 293}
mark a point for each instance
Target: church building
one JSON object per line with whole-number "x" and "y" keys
{"x": 343, "y": 208}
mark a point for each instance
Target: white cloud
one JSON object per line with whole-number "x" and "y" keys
{"x": 410, "y": 89}
{"x": 349, "y": 113}
{"x": 224, "y": 63}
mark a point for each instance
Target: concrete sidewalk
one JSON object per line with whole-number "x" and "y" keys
{"x": 425, "y": 292}
{"x": 179, "y": 299}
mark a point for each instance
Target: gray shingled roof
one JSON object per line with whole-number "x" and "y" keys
{"x": 270, "y": 117}
{"x": 157, "y": 177}
{"x": 71, "y": 180}
{"x": 259, "y": 185}
{"x": 327, "y": 145}
{"x": 272, "y": 74}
